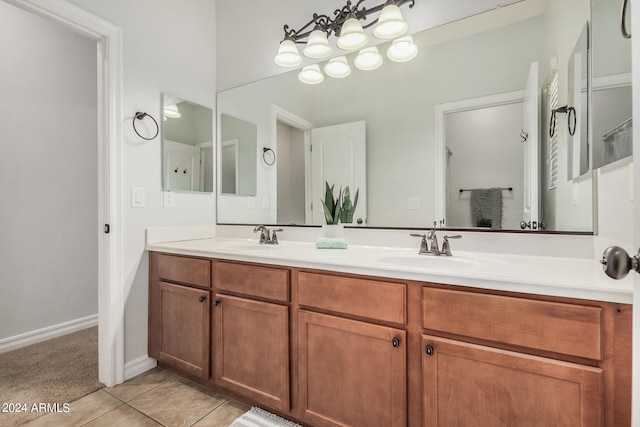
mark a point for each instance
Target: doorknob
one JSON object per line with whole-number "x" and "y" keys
{"x": 616, "y": 262}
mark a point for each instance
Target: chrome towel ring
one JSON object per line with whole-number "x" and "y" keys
{"x": 141, "y": 116}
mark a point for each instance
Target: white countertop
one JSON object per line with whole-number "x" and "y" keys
{"x": 553, "y": 276}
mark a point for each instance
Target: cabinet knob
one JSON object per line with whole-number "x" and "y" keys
{"x": 395, "y": 342}
{"x": 216, "y": 302}
{"x": 429, "y": 350}
{"x": 201, "y": 298}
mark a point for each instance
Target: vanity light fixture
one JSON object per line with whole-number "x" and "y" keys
{"x": 346, "y": 26}
{"x": 337, "y": 67}
{"x": 368, "y": 59}
{"x": 311, "y": 74}
{"x": 172, "y": 111}
{"x": 402, "y": 49}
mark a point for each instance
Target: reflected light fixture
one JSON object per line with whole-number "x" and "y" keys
{"x": 172, "y": 111}
{"x": 311, "y": 74}
{"x": 346, "y": 25}
{"x": 402, "y": 49}
{"x": 368, "y": 59}
{"x": 337, "y": 67}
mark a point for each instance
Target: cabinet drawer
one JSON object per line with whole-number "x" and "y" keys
{"x": 192, "y": 271}
{"x": 569, "y": 329}
{"x": 372, "y": 299}
{"x": 251, "y": 280}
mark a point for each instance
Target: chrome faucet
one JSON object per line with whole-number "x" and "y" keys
{"x": 433, "y": 249}
{"x": 267, "y": 237}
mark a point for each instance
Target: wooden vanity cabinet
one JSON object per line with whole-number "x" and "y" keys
{"x": 251, "y": 332}
{"x": 179, "y": 315}
{"x": 351, "y": 372}
{"x": 334, "y": 349}
{"x": 493, "y": 359}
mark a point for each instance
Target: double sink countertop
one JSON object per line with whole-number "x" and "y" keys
{"x": 539, "y": 275}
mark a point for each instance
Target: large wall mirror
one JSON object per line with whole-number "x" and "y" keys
{"x": 187, "y": 145}
{"x": 611, "y": 96}
{"x": 468, "y": 118}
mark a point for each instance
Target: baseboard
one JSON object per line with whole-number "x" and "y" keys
{"x": 138, "y": 366}
{"x": 28, "y": 338}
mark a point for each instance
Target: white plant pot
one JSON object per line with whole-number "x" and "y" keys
{"x": 333, "y": 230}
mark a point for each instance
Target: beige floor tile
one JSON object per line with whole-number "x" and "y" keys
{"x": 122, "y": 416}
{"x": 81, "y": 411}
{"x": 177, "y": 402}
{"x": 140, "y": 384}
{"x": 223, "y": 415}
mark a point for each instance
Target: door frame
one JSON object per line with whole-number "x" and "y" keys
{"x": 440, "y": 138}
{"x": 279, "y": 114}
{"x": 108, "y": 38}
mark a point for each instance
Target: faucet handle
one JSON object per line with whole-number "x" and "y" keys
{"x": 264, "y": 233}
{"x": 423, "y": 243}
{"x": 274, "y": 237}
{"x": 446, "y": 247}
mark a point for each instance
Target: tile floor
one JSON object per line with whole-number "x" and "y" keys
{"x": 154, "y": 398}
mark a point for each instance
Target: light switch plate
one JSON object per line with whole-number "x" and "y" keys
{"x": 137, "y": 197}
{"x": 169, "y": 198}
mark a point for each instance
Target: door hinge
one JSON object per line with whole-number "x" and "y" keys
{"x": 107, "y": 229}
{"x": 311, "y": 148}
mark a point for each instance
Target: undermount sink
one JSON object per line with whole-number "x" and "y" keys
{"x": 440, "y": 263}
{"x": 247, "y": 246}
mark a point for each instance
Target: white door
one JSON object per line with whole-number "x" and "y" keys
{"x": 531, "y": 147}
{"x": 339, "y": 157}
{"x": 183, "y": 166}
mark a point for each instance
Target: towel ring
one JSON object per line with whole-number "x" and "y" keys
{"x": 141, "y": 116}
{"x": 570, "y": 111}
{"x": 265, "y": 150}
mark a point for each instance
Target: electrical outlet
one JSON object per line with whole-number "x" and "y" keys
{"x": 265, "y": 202}
{"x": 251, "y": 202}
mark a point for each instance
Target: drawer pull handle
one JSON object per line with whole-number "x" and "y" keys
{"x": 216, "y": 302}
{"x": 429, "y": 350}
{"x": 395, "y": 342}
{"x": 201, "y": 298}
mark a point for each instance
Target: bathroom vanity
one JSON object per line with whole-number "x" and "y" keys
{"x": 367, "y": 337}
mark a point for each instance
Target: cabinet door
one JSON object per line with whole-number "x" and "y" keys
{"x": 180, "y": 327}
{"x": 350, "y": 373}
{"x": 251, "y": 347}
{"x": 466, "y": 384}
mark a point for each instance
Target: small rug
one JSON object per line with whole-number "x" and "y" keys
{"x": 256, "y": 417}
{"x": 52, "y": 372}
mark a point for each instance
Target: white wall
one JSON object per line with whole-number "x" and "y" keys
{"x": 169, "y": 47}
{"x": 48, "y": 179}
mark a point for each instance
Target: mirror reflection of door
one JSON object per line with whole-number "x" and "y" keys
{"x": 291, "y": 172}
{"x": 229, "y": 167}
{"x": 339, "y": 157}
{"x": 477, "y": 160}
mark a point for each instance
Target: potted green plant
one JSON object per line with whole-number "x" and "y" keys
{"x": 338, "y": 210}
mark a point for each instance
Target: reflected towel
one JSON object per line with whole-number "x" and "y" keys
{"x": 486, "y": 208}
{"x": 331, "y": 243}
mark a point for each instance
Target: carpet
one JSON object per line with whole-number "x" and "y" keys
{"x": 52, "y": 373}
{"x": 256, "y": 417}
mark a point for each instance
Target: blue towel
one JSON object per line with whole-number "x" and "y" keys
{"x": 331, "y": 243}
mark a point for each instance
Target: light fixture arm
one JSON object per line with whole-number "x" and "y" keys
{"x": 333, "y": 26}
